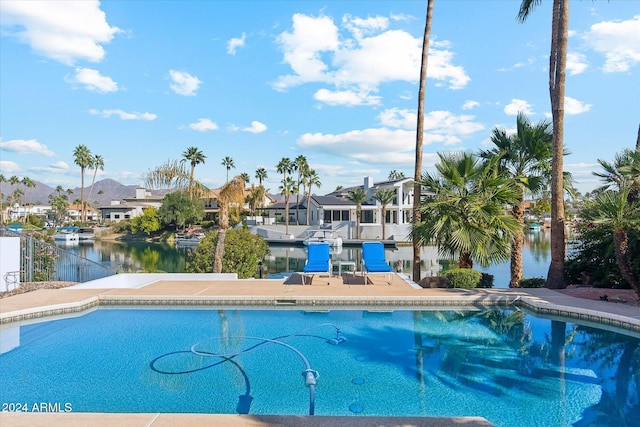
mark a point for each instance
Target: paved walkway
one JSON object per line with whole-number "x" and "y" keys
{"x": 348, "y": 290}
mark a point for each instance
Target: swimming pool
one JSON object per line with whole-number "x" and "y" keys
{"x": 501, "y": 364}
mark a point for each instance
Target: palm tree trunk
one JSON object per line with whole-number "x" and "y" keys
{"x": 384, "y": 220}
{"x": 417, "y": 188}
{"x": 219, "y": 252}
{"x": 557, "y": 72}
{"x": 82, "y": 194}
{"x": 516, "y": 247}
{"x": 465, "y": 260}
{"x": 621, "y": 243}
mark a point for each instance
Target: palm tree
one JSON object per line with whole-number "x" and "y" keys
{"x": 310, "y": 179}
{"x": 261, "y": 175}
{"x": 195, "y": 157}
{"x": 227, "y": 162}
{"x": 525, "y": 159}
{"x": 625, "y": 167}
{"x": 557, "y": 74}
{"x": 359, "y": 197}
{"x": 287, "y": 187}
{"x": 98, "y": 163}
{"x": 463, "y": 210}
{"x": 230, "y": 193}
{"x": 14, "y": 180}
{"x": 2, "y": 180}
{"x": 417, "y": 190}
{"x": 614, "y": 209}
{"x": 284, "y": 167}
{"x": 255, "y": 198}
{"x": 300, "y": 164}
{"x": 83, "y": 158}
{"x": 245, "y": 177}
{"x": 394, "y": 174}
{"x": 29, "y": 186}
{"x": 384, "y": 196}
{"x": 172, "y": 175}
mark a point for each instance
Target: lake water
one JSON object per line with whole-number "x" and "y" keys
{"x": 283, "y": 259}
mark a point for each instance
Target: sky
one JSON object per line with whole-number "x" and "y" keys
{"x": 139, "y": 82}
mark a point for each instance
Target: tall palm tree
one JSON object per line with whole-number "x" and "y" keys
{"x": 301, "y": 165}
{"x": 261, "y": 175}
{"x": 417, "y": 189}
{"x": 14, "y": 180}
{"x": 524, "y": 158}
{"x": 394, "y": 174}
{"x": 84, "y": 159}
{"x": 285, "y": 166}
{"x": 195, "y": 157}
{"x": 384, "y": 196}
{"x": 245, "y": 177}
{"x": 29, "y": 186}
{"x": 359, "y": 197}
{"x": 98, "y": 163}
{"x": 557, "y": 75}
{"x": 309, "y": 180}
{"x": 287, "y": 187}
{"x": 232, "y": 193}
{"x": 463, "y": 210}
{"x": 227, "y": 162}
{"x": 2, "y": 180}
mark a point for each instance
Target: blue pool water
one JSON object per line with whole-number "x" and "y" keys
{"x": 504, "y": 365}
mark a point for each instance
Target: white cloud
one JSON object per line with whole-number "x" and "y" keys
{"x": 123, "y": 114}
{"x": 184, "y": 83}
{"x": 203, "y": 125}
{"x": 398, "y": 118}
{"x": 235, "y": 43}
{"x": 66, "y": 31}
{"x": 256, "y": 127}
{"x": 469, "y": 105}
{"x": 576, "y": 63}
{"x": 26, "y": 146}
{"x": 572, "y": 106}
{"x": 516, "y": 106}
{"x": 57, "y": 167}
{"x": 619, "y": 41}
{"x": 348, "y": 98}
{"x": 93, "y": 81}
{"x": 358, "y": 58}
{"x": 8, "y": 167}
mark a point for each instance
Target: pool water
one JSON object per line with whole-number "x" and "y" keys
{"x": 504, "y": 365}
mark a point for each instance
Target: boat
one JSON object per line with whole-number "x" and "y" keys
{"x": 66, "y": 236}
{"x": 324, "y": 236}
{"x": 86, "y": 233}
{"x": 534, "y": 226}
{"x": 188, "y": 240}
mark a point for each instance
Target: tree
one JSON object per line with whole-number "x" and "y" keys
{"x": 261, "y": 175}
{"x": 29, "y": 186}
{"x": 243, "y": 254}
{"x": 613, "y": 208}
{"x": 2, "y": 180}
{"x": 384, "y": 196}
{"x": 310, "y": 179}
{"x": 417, "y": 190}
{"x": 84, "y": 159}
{"x": 287, "y": 187}
{"x": 557, "y": 74}
{"x": 301, "y": 165}
{"x": 394, "y": 174}
{"x": 245, "y": 177}
{"x": 14, "y": 180}
{"x": 284, "y": 167}
{"x": 227, "y": 162}
{"x": 463, "y": 210}
{"x": 178, "y": 209}
{"x": 59, "y": 205}
{"x": 359, "y": 197}
{"x": 195, "y": 157}
{"x": 230, "y": 193}
{"x": 255, "y": 198}
{"x": 525, "y": 159}
{"x": 98, "y": 163}
{"x": 148, "y": 222}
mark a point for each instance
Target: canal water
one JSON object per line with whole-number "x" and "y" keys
{"x": 131, "y": 257}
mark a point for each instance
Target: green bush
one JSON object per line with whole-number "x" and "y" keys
{"x": 533, "y": 282}
{"x": 486, "y": 281}
{"x": 465, "y": 278}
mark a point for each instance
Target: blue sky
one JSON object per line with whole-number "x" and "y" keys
{"x": 138, "y": 82}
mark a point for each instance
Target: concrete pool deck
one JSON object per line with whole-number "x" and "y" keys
{"x": 346, "y": 291}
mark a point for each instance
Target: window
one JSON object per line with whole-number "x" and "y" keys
{"x": 366, "y": 217}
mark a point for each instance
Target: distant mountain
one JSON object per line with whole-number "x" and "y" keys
{"x": 104, "y": 191}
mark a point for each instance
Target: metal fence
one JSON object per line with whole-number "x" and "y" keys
{"x": 41, "y": 261}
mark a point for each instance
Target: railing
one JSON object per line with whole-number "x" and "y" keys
{"x": 41, "y": 261}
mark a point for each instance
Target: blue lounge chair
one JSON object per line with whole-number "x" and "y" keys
{"x": 373, "y": 260}
{"x": 318, "y": 261}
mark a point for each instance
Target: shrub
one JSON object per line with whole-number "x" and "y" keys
{"x": 465, "y": 278}
{"x": 486, "y": 281}
{"x": 533, "y": 282}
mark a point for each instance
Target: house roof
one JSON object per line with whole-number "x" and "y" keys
{"x": 389, "y": 183}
